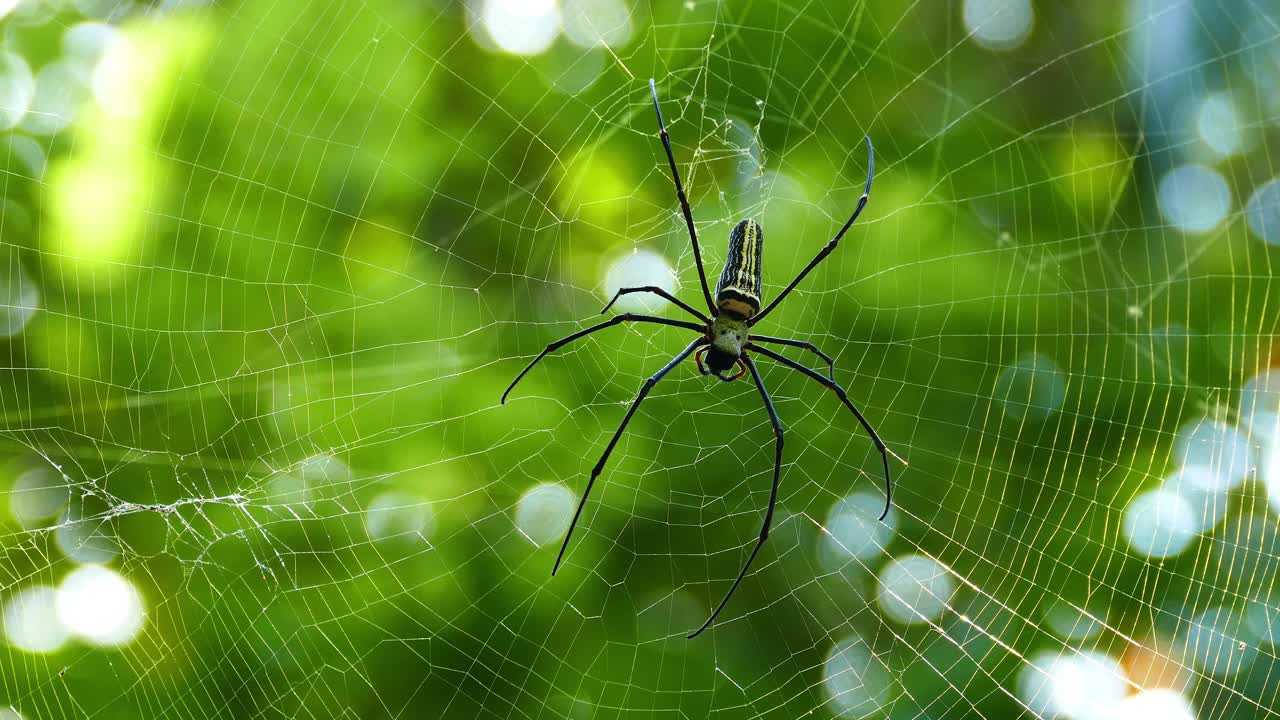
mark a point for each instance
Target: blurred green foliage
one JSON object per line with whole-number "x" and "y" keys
{"x": 299, "y": 271}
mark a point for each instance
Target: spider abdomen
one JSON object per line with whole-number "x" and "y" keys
{"x": 739, "y": 289}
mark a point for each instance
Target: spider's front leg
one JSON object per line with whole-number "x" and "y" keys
{"x": 831, "y": 364}
{"x": 616, "y": 319}
{"x": 660, "y": 293}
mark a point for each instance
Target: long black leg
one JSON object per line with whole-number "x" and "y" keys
{"x": 844, "y": 398}
{"x": 824, "y": 252}
{"x": 595, "y": 471}
{"x": 582, "y": 333}
{"x": 831, "y": 364}
{"x": 684, "y": 201}
{"x": 656, "y": 291}
{"x": 773, "y": 494}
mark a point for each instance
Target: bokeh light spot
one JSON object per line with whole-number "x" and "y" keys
{"x": 38, "y": 494}
{"x": 399, "y": 517}
{"x": 1070, "y": 623}
{"x": 61, "y": 90}
{"x": 1194, "y": 198}
{"x": 522, "y": 27}
{"x": 1031, "y": 389}
{"x": 1214, "y": 642}
{"x": 914, "y": 589}
{"x": 17, "y": 89}
{"x": 1263, "y": 212}
{"x": 543, "y": 513}
{"x": 19, "y": 297}
{"x": 596, "y": 23}
{"x": 1085, "y": 685}
{"x": 1199, "y": 488}
{"x": 999, "y": 24}
{"x": 85, "y": 539}
{"x": 855, "y": 679}
{"x": 89, "y": 41}
{"x": 636, "y": 269}
{"x": 854, "y": 531}
{"x": 1160, "y": 524}
{"x": 1222, "y": 452}
{"x": 1218, "y": 123}
{"x": 1157, "y": 704}
{"x": 31, "y": 623}
{"x": 100, "y": 605}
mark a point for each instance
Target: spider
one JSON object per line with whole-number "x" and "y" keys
{"x": 724, "y": 339}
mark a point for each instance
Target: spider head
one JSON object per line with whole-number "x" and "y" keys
{"x": 728, "y": 335}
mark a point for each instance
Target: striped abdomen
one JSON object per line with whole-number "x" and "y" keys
{"x": 739, "y": 288}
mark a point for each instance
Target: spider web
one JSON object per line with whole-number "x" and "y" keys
{"x": 269, "y": 278}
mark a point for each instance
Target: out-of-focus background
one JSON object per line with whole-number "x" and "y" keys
{"x": 266, "y": 267}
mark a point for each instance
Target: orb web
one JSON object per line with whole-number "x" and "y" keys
{"x": 269, "y": 266}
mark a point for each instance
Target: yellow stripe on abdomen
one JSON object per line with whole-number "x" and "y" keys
{"x": 739, "y": 287}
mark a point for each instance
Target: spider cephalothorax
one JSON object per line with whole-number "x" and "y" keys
{"x": 725, "y": 339}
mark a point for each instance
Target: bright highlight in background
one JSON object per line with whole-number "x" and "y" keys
{"x": 543, "y": 513}
{"x": 854, "y": 532}
{"x": 19, "y": 298}
{"x": 596, "y": 23}
{"x": 85, "y": 540}
{"x": 1196, "y": 485}
{"x": 61, "y": 89}
{"x": 855, "y": 679}
{"x": 400, "y": 518}
{"x": 100, "y": 606}
{"x": 1194, "y": 198}
{"x": 1218, "y": 123}
{"x": 999, "y": 24}
{"x": 642, "y": 267}
{"x": 38, "y": 494}
{"x": 522, "y": 27}
{"x": 1214, "y": 642}
{"x": 1085, "y": 685}
{"x": 914, "y": 589}
{"x": 30, "y": 622}
{"x": 1155, "y": 705}
{"x": 1223, "y": 452}
{"x": 17, "y": 89}
{"x": 1263, "y": 212}
{"x": 1079, "y": 686}
{"x": 1160, "y": 524}
{"x": 1031, "y": 389}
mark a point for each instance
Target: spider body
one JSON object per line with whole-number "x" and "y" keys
{"x": 738, "y": 292}
{"x": 727, "y": 335}
{"x": 724, "y": 340}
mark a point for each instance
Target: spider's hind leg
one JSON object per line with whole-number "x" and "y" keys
{"x": 773, "y": 493}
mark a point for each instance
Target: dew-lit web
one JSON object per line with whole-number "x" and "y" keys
{"x": 267, "y": 268}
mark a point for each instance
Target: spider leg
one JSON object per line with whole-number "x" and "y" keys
{"x": 656, "y": 291}
{"x": 830, "y": 246}
{"x": 616, "y": 319}
{"x": 595, "y": 471}
{"x": 831, "y": 364}
{"x": 773, "y": 493}
{"x": 684, "y": 200}
{"x": 844, "y": 398}
{"x": 698, "y": 359}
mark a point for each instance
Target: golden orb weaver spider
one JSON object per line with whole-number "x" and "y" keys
{"x": 723, "y": 341}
